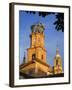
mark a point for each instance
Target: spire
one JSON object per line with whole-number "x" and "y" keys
{"x": 57, "y": 51}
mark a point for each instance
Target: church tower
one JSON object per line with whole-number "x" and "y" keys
{"x": 36, "y": 65}
{"x": 57, "y": 63}
{"x": 37, "y": 49}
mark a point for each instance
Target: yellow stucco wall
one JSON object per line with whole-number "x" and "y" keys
{"x": 36, "y": 47}
{"x": 37, "y": 39}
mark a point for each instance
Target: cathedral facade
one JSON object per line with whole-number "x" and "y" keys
{"x": 36, "y": 65}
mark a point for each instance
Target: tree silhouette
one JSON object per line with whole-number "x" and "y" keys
{"x": 59, "y": 22}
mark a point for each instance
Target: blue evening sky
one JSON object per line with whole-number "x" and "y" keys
{"x": 53, "y": 38}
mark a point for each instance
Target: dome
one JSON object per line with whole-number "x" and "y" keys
{"x": 38, "y": 28}
{"x": 58, "y": 55}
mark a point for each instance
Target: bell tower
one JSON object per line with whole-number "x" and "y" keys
{"x": 57, "y": 63}
{"x": 37, "y": 49}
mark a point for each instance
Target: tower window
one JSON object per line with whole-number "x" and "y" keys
{"x": 56, "y": 62}
{"x": 33, "y": 56}
{"x": 42, "y": 57}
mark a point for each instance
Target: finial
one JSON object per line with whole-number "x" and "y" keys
{"x": 57, "y": 50}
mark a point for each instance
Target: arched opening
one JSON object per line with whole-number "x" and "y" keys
{"x": 57, "y": 62}
{"x": 42, "y": 57}
{"x": 33, "y": 56}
